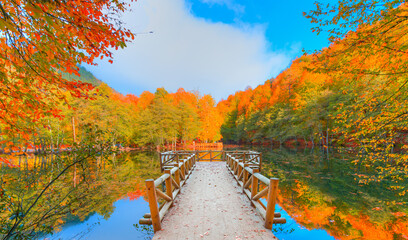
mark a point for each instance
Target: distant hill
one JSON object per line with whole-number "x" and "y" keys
{"x": 86, "y": 76}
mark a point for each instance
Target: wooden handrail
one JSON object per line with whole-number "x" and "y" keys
{"x": 254, "y": 159}
{"x": 245, "y": 167}
{"x": 178, "y": 166}
{"x": 180, "y": 170}
{"x": 161, "y": 179}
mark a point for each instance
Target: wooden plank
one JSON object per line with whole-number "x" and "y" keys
{"x": 279, "y": 220}
{"x": 259, "y": 201}
{"x": 165, "y": 209}
{"x": 262, "y": 178}
{"x": 260, "y": 209}
{"x": 169, "y": 191}
{"x": 252, "y": 158}
{"x": 270, "y": 207}
{"x": 254, "y": 188}
{"x": 217, "y": 154}
{"x": 175, "y": 183}
{"x": 262, "y": 212}
{"x": 154, "y": 210}
{"x": 248, "y": 193}
{"x": 177, "y": 174}
{"x": 202, "y": 156}
{"x": 182, "y": 172}
{"x": 145, "y": 221}
{"x": 173, "y": 170}
{"x": 161, "y": 179}
{"x": 260, "y": 194}
{"x": 175, "y": 193}
{"x": 163, "y": 195}
{"x": 241, "y": 172}
{"x": 248, "y": 169}
{"x": 249, "y": 181}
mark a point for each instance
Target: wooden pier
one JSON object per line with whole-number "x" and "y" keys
{"x": 197, "y": 196}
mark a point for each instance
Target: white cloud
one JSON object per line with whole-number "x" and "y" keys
{"x": 189, "y": 52}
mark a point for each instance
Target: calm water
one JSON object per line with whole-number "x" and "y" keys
{"x": 319, "y": 197}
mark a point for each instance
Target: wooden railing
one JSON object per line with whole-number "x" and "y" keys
{"x": 177, "y": 166}
{"x": 206, "y": 146}
{"x": 210, "y": 155}
{"x": 252, "y": 158}
{"x": 167, "y": 159}
{"x": 245, "y": 168}
{"x": 167, "y": 187}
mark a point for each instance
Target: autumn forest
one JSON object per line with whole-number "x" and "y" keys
{"x": 350, "y": 97}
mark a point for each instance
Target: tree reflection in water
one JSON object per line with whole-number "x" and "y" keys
{"x": 321, "y": 192}
{"x": 44, "y": 193}
{"x": 316, "y": 191}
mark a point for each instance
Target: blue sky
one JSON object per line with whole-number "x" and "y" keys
{"x": 214, "y": 46}
{"x": 283, "y": 20}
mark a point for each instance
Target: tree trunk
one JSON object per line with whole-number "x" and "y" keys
{"x": 73, "y": 129}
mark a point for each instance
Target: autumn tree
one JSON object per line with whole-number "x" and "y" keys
{"x": 367, "y": 60}
{"x": 210, "y": 119}
{"x": 39, "y": 41}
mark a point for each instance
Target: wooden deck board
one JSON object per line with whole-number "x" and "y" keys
{"x": 212, "y": 206}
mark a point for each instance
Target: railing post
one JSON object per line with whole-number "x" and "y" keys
{"x": 177, "y": 174}
{"x": 187, "y": 165}
{"x": 169, "y": 190}
{"x": 245, "y": 177}
{"x": 260, "y": 161}
{"x": 154, "y": 208}
{"x": 270, "y": 207}
{"x": 182, "y": 168}
{"x": 254, "y": 189}
{"x": 239, "y": 169}
{"x": 191, "y": 161}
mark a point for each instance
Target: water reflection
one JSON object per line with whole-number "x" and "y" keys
{"x": 322, "y": 194}
{"x": 121, "y": 224}
{"x": 102, "y": 198}
{"x": 84, "y": 197}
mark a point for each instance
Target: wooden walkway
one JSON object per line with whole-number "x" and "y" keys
{"x": 213, "y": 200}
{"x": 211, "y": 205}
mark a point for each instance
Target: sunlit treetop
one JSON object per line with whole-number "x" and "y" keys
{"x": 338, "y": 19}
{"x": 40, "y": 39}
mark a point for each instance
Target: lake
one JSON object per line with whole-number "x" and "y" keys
{"x": 320, "y": 195}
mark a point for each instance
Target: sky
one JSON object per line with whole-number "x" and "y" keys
{"x": 215, "y": 47}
